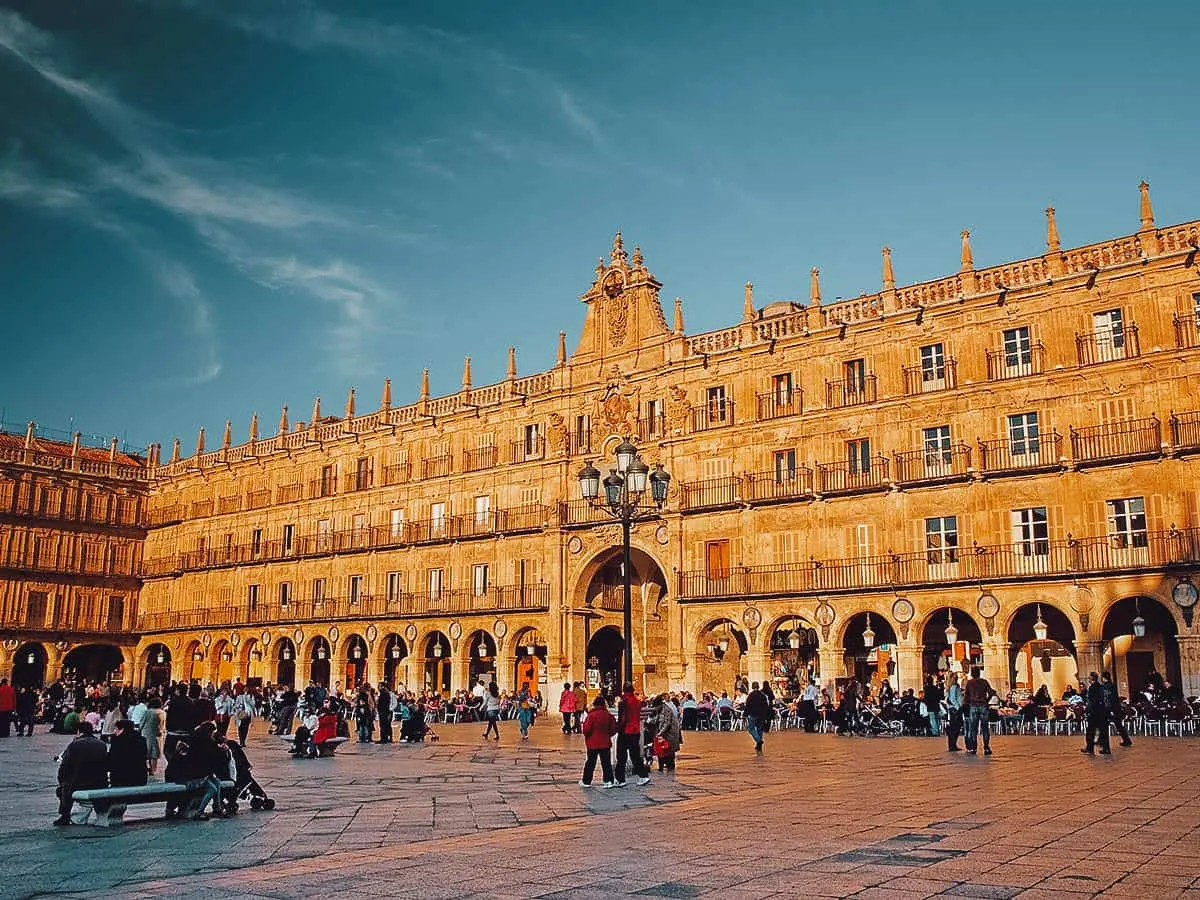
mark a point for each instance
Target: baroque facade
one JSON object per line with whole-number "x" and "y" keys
{"x": 996, "y": 467}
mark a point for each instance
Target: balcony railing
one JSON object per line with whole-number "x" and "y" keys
{"x": 479, "y": 458}
{"x": 579, "y": 444}
{"x": 321, "y": 487}
{"x": 1185, "y": 430}
{"x": 580, "y": 512}
{"x": 229, "y": 504}
{"x": 712, "y": 415}
{"x": 358, "y": 481}
{"x": 102, "y": 515}
{"x": 526, "y": 450}
{"x": 1187, "y": 331}
{"x": 787, "y": 484}
{"x": 652, "y": 427}
{"x": 946, "y": 464}
{"x": 288, "y": 493}
{"x": 258, "y": 499}
{"x": 397, "y": 473}
{"x": 925, "y": 379}
{"x": 1095, "y": 347}
{"x": 710, "y": 493}
{"x": 506, "y": 598}
{"x": 850, "y": 393}
{"x": 436, "y": 466}
{"x": 1116, "y": 441}
{"x": 1002, "y": 455}
{"x": 1002, "y": 364}
{"x": 778, "y": 406}
{"x": 844, "y": 477}
{"x": 157, "y": 516}
{"x": 970, "y": 565}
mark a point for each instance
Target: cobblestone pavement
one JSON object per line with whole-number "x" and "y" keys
{"x": 815, "y": 816}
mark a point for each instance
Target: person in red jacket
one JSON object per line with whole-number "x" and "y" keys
{"x": 326, "y": 727}
{"x": 629, "y": 736}
{"x": 598, "y": 730}
{"x": 8, "y": 705}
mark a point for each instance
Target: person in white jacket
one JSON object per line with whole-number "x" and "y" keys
{"x": 244, "y": 711}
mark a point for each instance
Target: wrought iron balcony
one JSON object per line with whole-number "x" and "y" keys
{"x": 712, "y": 415}
{"x": 949, "y": 464}
{"x": 844, "y": 477}
{"x": 527, "y": 450}
{"x": 288, "y": 493}
{"x": 1003, "y": 364}
{"x": 397, "y": 473}
{"x": 1003, "y": 456}
{"x": 777, "y": 406}
{"x": 652, "y": 427}
{"x": 436, "y": 466}
{"x": 1094, "y": 347}
{"x": 1185, "y": 431}
{"x": 787, "y": 484}
{"x": 1187, "y": 330}
{"x": 926, "y": 379}
{"x": 1117, "y": 441}
{"x": 853, "y": 392}
{"x": 479, "y": 459}
{"x": 710, "y": 493}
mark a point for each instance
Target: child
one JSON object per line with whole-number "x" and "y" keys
{"x": 598, "y": 730}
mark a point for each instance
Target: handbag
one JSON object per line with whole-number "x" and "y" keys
{"x": 661, "y": 746}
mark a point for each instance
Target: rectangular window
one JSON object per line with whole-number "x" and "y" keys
{"x": 1018, "y": 351}
{"x": 855, "y": 374}
{"x": 397, "y": 524}
{"x": 256, "y": 543}
{"x": 1030, "y": 532}
{"x": 1024, "y": 434}
{"x": 327, "y": 480}
{"x": 289, "y": 538}
{"x": 1196, "y": 309}
{"x": 1127, "y": 522}
{"x": 1108, "y": 328}
{"x": 715, "y": 397}
{"x": 532, "y": 440}
{"x": 360, "y": 529}
{"x": 781, "y": 389}
{"x": 654, "y": 417}
{"x": 479, "y": 579}
{"x": 933, "y": 364}
{"x": 324, "y": 535}
{"x": 356, "y": 588}
{"x": 318, "y": 590}
{"x": 252, "y": 597}
{"x": 583, "y": 434}
{"x": 716, "y": 559}
{"x": 483, "y": 511}
{"x": 936, "y": 444}
{"x": 362, "y": 473}
{"x": 437, "y": 520}
{"x": 435, "y": 584}
{"x": 395, "y": 586}
{"x": 858, "y": 456}
{"x": 941, "y": 540}
{"x": 785, "y": 466}
{"x": 285, "y": 594}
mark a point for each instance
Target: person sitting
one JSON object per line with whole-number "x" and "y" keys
{"x": 82, "y": 766}
{"x": 689, "y": 713}
{"x": 1042, "y": 697}
{"x": 127, "y": 755}
{"x": 303, "y": 736}
{"x": 327, "y": 728}
{"x": 413, "y": 729}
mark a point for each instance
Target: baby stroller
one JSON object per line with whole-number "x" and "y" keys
{"x": 870, "y": 724}
{"x": 245, "y": 787}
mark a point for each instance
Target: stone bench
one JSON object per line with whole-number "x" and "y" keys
{"x": 325, "y": 749}
{"x": 109, "y": 804}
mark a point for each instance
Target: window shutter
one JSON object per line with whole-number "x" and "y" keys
{"x": 1097, "y": 521}
{"x": 1154, "y": 513}
{"x": 1058, "y": 524}
{"x": 1191, "y": 501}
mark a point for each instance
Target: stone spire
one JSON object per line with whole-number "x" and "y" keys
{"x": 200, "y": 441}
{"x": 316, "y": 416}
{"x": 29, "y": 430}
{"x": 618, "y": 256}
{"x": 350, "y": 404}
{"x": 677, "y": 327}
{"x": 254, "y": 428}
{"x": 283, "y": 421}
{"x": 1146, "y": 211}
{"x": 75, "y": 439}
{"x": 511, "y": 372}
{"x": 965, "y": 258}
{"x": 466, "y": 382}
{"x": 175, "y": 451}
{"x": 424, "y": 384}
{"x": 1052, "y": 241}
{"x": 561, "y": 359}
{"x": 639, "y": 261}
{"x": 814, "y": 287}
{"x": 889, "y": 275}
{"x": 112, "y": 450}
{"x": 749, "y": 313}
{"x": 227, "y": 435}
{"x": 385, "y": 402}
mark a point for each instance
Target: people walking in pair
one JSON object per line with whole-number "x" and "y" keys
{"x": 954, "y": 712}
{"x": 566, "y": 706}
{"x": 598, "y": 731}
{"x": 491, "y": 710}
{"x": 1098, "y": 707}
{"x": 629, "y": 736}
{"x": 976, "y": 695}
{"x": 758, "y": 715}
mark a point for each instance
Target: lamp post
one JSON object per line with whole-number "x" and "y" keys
{"x": 624, "y": 490}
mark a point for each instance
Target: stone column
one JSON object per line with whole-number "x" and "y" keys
{"x": 1089, "y": 657}
{"x": 832, "y": 665}
{"x": 460, "y": 669}
{"x": 6, "y": 663}
{"x": 337, "y": 671}
{"x": 996, "y": 668}
{"x": 1189, "y": 664}
{"x": 908, "y": 667}
{"x": 506, "y": 663}
{"x": 758, "y": 665}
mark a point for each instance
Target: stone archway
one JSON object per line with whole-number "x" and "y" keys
{"x": 156, "y": 670}
{"x": 193, "y": 662}
{"x": 876, "y": 663}
{"x": 530, "y": 655}
{"x": 94, "y": 663}
{"x": 1041, "y": 650}
{"x": 437, "y": 674}
{"x": 354, "y": 658}
{"x": 395, "y": 653}
{"x": 317, "y": 659}
{"x": 939, "y": 656}
{"x": 284, "y": 655}
{"x": 221, "y": 663}
{"x": 29, "y": 666}
{"x": 480, "y": 648}
{"x": 722, "y": 657}
{"x": 1135, "y": 660}
{"x": 604, "y": 654}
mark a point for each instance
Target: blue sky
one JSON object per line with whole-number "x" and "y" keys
{"x": 209, "y": 209}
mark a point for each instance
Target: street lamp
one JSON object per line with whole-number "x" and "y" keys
{"x": 1139, "y": 624}
{"x": 868, "y": 634}
{"x": 1040, "y": 629}
{"x": 624, "y": 490}
{"x": 951, "y": 631}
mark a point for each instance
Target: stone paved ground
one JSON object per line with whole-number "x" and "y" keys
{"x": 816, "y": 816}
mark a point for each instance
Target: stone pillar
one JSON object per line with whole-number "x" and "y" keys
{"x": 832, "y": 665}
{"x": 6, "y": 663}
{"x": 996, "y": 668}
{"x": 506, "y": 663}
{"x": 908, "y": 667}
{"x": 460, "y": 670}
{"x": 1089, "y": 657}
{"x": 337, "y": 671}
{"x": 1189, "y": 664}
{"x": 758, "y": 665}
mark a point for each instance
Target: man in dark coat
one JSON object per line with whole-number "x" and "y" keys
{"x": 383, "y": 705}
{"x": 758, "y": 712}
{"x": 127, "y": 756}
{"x": 82, "y": 766}
{"x": 1097, "y": 716}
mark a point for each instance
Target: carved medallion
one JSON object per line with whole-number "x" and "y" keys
{"x": 334, "y": 634}
{"x": 455, "y": 631}
{"x": 265, "y": 637}
{"x": 298, "y": 637}
{"x": 372, "y": 633}
{"x": 575, "y": 544}
{"x": 500, "y": 628}
{"x": 411, "y": 632}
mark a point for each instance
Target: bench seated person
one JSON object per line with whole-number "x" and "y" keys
{"x": 317, "y": 738}
{"x": 109, "y": 804}
{"x": 310, "y": 750}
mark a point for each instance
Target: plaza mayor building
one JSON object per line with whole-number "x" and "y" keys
{"x": 997, "y": 467}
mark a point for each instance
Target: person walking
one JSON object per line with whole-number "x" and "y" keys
{"x": 976, "y": 695}
{"x": 598, "y": 731}
{"x": 954, "y": 713}
{"x": 1097, "y": 717}
{"x": 758, "y": 715}
{"x": 152, "y": 730}
{"x": 525, "y": 710}
{"x": 566, "y": 706}
{"x": 581, "y": 705}
{"x": 26, "y": 711}
{"x": 1116, "y": 713}
{"x": 848, "y": 708}
{"x": 668, "y": 733}
{"x": 244, "y": 710}
{"x": 383, "y": 706}
{"x": 629, "y": 736}
{"x": 933, "y": 705}
{"x": 491, "y": 710}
